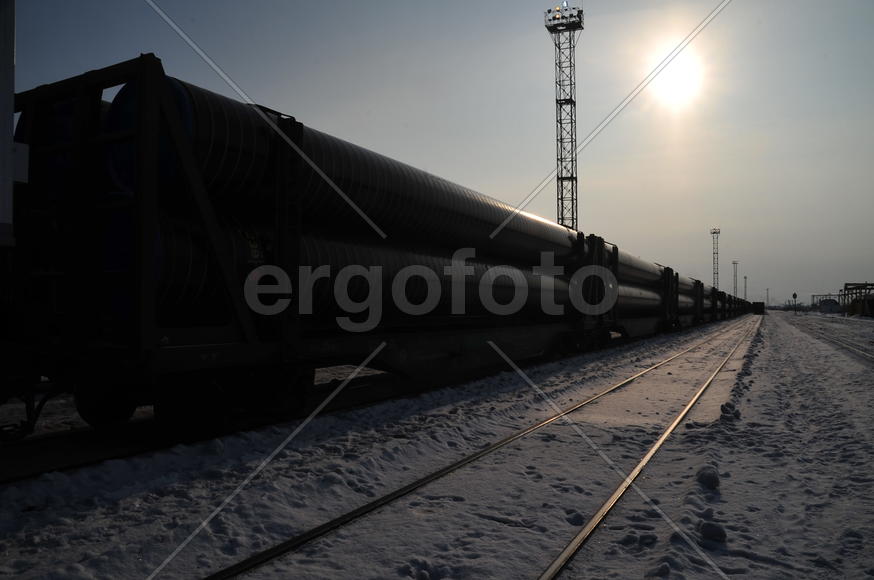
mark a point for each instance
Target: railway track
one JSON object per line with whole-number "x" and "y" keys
{"x": 577, "y": 542}
{"x": 294, "y": 543}
{"x": 853, "y": 347}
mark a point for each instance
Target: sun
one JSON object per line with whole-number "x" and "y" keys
{"x": 679, "y": 83}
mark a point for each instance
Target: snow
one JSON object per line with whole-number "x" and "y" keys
{"x": 792, "y": 496}
{"x": 507, "y": 515}
{"x": 795, "y": 498}
{"x": 855, "y": 330}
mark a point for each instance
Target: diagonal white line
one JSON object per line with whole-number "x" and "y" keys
{"x": 570, "y": 422}
{"x": 264, "y": 117}
{"x": 606, "y": 121}
{"x": 264, "y": 463}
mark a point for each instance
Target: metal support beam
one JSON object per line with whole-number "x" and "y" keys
{"x": 7, "y": 100}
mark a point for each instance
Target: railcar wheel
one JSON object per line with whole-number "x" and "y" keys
{"x": 104, "y": 406}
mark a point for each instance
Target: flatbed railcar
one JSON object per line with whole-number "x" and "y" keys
{"x": 142, "y": 218}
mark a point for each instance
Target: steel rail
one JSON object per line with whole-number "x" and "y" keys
{"x": 263, "y": 557}
{"x": 852, "y": 346}
{"x": 557, "y": 565}
{"x": 820, "y": 333}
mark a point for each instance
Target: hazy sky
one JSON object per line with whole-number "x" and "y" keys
{"x": 765, "y": 129}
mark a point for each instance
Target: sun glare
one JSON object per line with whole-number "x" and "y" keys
{"x": 679, "y": 83}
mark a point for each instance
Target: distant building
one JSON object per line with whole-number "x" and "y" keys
{"x": 829, "y": 306}
{"x": 862, "y": 306}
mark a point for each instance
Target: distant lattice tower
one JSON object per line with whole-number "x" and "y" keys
{"x": 735, "y": 263}
{"x": 745, "y": 287}
{"x": 564, "y": 24}
{"x": 715, "y": 233}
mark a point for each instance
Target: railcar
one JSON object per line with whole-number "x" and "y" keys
{"x": 145, "y": 217}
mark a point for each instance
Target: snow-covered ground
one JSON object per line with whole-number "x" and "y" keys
{"x": 509, "y": 514}
{"x": 796, "y": 488}
{"x": 856, "y": 330}
{"x": 123, "y": 517}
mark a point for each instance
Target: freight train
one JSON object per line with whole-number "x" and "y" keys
{"x": 174, "y": 246}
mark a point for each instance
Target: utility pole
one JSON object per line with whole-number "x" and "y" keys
{"x": 565, "y": 24}
{"x": 745, "y": 287}
{"x": 715, "y": 233}
{"x": 767, "y": 296}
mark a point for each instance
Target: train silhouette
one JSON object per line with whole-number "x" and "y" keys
{"x": 144, "y": 220}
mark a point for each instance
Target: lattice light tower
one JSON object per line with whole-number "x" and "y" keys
{"x": 735, "y": 263}
{"x": 564, "y": 24}
{"x": 715, "y": 233}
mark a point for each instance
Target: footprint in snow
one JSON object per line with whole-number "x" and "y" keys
{"x": 531, "y": 472}
{"x": 452, "y": 498}
{"x": 574, "y": 518}
{"x": 422, "y": 569}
